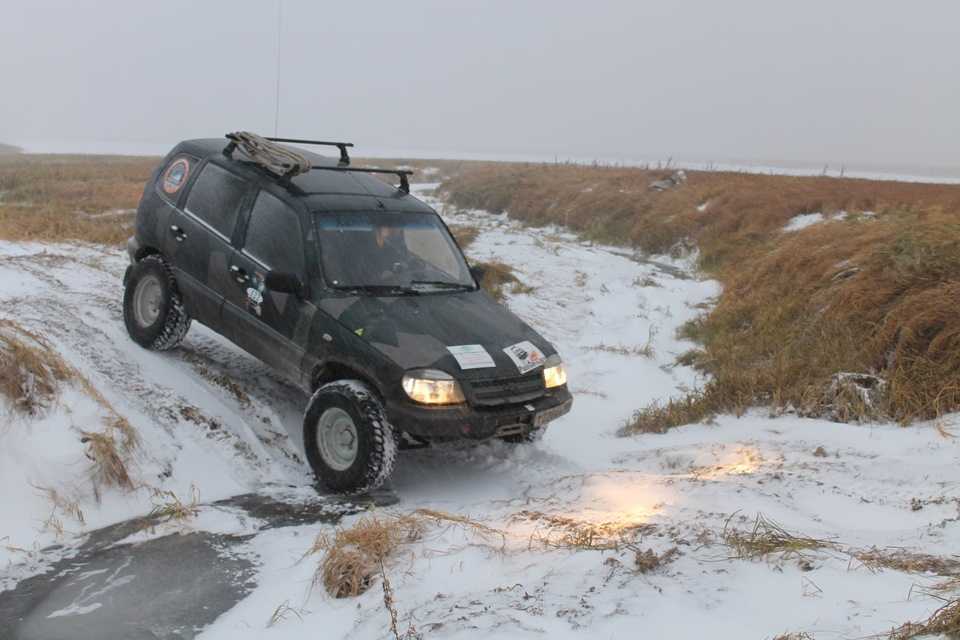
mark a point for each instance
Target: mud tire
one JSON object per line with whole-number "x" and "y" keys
{"x": 172, "y": 322}
{"x": 376, "y": 443}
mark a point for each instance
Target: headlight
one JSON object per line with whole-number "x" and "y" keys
{"x": 554, "y": 375}
{"x": 429, "y": 386}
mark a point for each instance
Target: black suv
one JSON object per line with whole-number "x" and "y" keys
{"x": 350, "y": 287}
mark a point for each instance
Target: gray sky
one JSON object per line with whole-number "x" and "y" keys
{"x": 866, "y": 82}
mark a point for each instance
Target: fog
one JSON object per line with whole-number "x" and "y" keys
{"x": 861, "y": 83}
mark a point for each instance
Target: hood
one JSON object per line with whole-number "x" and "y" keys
{"x": 416, "y": 331}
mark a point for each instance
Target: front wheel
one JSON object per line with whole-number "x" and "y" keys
{"x": 348, "y": 441}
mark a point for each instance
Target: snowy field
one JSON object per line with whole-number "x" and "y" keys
{"x": 214, "y": 420}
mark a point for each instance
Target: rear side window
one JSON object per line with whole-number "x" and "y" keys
{"x": 216, "y": 198}
{"x": 273, "y": 235}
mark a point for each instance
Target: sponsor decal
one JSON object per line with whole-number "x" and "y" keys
{"x": 176, "y": 175}
{"x": 471, "y": 356}
{"x": 525, "y": 355}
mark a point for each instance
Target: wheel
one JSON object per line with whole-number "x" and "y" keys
{"x": 348, "y": 441}
{"x": 152, "y": 308}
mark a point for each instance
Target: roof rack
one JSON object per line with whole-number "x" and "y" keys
{"x": 401, "y": 173}
{"x": 344, "y": 157}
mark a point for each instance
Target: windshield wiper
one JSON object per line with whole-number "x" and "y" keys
{"x": 444, "y": 284}
{"x": 382, "y": 289}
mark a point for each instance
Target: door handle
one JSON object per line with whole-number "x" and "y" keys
{"x": 178, "y": 233}
{"x": 239, "y": 274}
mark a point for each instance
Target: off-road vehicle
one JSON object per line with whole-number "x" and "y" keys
{"x": 347, "y": 285}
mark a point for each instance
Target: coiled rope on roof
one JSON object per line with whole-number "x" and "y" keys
{"x": 273, "y": 157}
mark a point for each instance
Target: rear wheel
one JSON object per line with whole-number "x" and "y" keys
{"x": 348, "y": 441}
{"x": 152, "y": 309}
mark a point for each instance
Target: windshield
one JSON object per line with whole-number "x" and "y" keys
{"x": 407, "y": 251}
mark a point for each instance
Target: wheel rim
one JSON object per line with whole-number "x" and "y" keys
{"x": 337, "y": 438}
{"x": 146, "y": 300}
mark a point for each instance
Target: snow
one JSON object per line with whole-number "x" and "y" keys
{"x": 802, "y": 221}
{"x": 877, "y": 485}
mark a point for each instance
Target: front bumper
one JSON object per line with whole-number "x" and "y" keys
{"x": 465, "y": 422}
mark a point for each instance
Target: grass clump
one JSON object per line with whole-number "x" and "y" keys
{"x": 563, "y": 532}
{"x": 30, "y": 370}
{"x": 169, "y": 507}
{"x": 353, "y": 557}
{"x": 768, "y": 538}
{"x": 944, "y": 622}
{"x": 109, "y": 468}
{"x": 497, "y": 276}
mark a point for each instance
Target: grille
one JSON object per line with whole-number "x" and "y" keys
{"x": 502, "y": 391}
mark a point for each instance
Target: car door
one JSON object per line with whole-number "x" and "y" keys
{"x": 269, "y": 324}
{"x": 198, "y": 241}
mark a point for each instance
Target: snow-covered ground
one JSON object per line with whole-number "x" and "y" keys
{"x": 613, "y": 317}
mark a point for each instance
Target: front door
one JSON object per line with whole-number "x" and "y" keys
{"x": 198, "y": 241}
{"x": 271, "y": 325}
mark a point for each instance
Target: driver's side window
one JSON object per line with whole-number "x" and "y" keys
{"x": 273, "y": 235}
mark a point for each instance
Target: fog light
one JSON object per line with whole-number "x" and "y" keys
{"x": 430, "y": 386}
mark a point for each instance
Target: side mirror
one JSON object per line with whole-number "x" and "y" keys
{"x": 283, "y": 282}
{"x": 478, "y": 271}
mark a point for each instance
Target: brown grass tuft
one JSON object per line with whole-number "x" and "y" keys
{"x": 907, "y": 561}
{"x": 497, "y": 275}
{"x": 30, "y": 370}
{"x": 352, "y": 557}
{"x": 649, "y": 561}
{"x": 562, "y": 532}
{"x": 945, "y": 622}
{"x": 169, "y": 507}
{"x": 768, "y": 538}
{"x": 109, "y": 468}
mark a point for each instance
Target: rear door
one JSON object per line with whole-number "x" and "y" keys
{"x": 271, "y": 325}
{"x": 198, "y": 241}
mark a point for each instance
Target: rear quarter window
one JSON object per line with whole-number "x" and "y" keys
{"x": 216, "y": 198}
{"x": 274, "y": 237}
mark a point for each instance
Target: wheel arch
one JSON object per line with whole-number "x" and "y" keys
{"x": 331, "y": 371}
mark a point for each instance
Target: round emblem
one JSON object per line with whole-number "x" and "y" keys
{"x": 176, "y": 175}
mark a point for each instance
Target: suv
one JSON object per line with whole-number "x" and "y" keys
{"x": 350, "y": 287}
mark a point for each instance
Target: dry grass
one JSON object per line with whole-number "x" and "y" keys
{"x": 30, "y": 370}
{"x": 767, "y": 539}
{"x": 563, "y": 532}
{"x": 907, "y": 561}
{"x": 354, "y": 556}
{"x": 169, "y": 507}
{"x": 497, "y": 276}
{"x": 873, "y": 293}
{"x": 109, "y": 468}
{"x": 945, "y": 622}
{"x": 464, "y": 234}
{"x": 58, "y": 198}
{"x": 649, "y": 560}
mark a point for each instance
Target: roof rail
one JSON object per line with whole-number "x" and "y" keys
{"x": 344, "y": 158}
{"x": 401, "y": 173}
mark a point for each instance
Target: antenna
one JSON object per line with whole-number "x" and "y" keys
{"x": 276, "y": 108}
